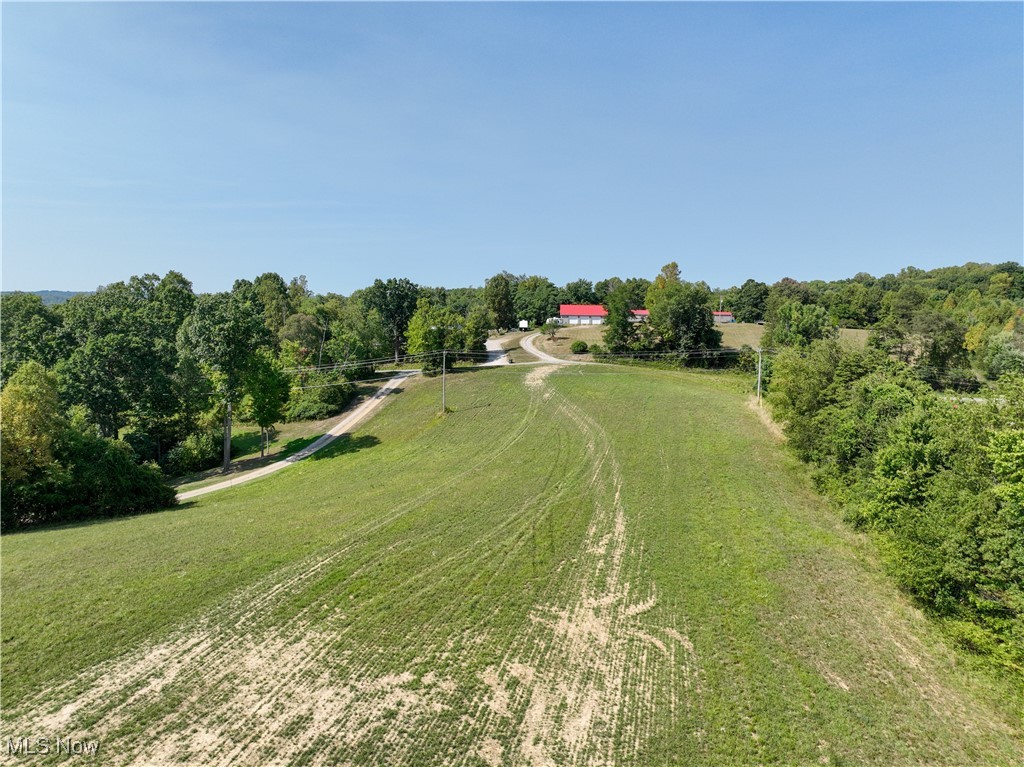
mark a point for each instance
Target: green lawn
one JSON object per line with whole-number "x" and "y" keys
{"x": 606, "y": 566}
{"x": 736, "y": 334}
{"x": 286, "y": 439}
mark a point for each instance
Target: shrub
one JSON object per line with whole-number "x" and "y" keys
{"x": 194, "y": 453}
{"x": 93, "y": 477}
{"x": 579, "y": 347}
{"x": 326, "y": 397}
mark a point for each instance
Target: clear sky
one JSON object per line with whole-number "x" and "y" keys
{"x": 447, "y": 142}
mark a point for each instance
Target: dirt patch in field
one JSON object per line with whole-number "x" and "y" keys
{"x": 535, "y": 378}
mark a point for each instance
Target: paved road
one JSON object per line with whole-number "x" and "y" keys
{"x": 346, "y": 424}
{"x": 527, "y": 344}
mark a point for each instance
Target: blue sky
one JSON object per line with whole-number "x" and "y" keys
{"x": 447, "y": 142}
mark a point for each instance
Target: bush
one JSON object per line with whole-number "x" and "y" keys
{"x": 194, "y": 453}
{"x": 326, "y": 397}
{"x": 579, "y": 347}
{"x": 93, "y": 477}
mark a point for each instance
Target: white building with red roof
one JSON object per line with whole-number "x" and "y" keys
{"x": 590, "y": 314}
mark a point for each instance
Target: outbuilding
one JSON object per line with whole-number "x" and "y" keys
{"x": 590, "y": 314}
{"x": 722, "y": 318}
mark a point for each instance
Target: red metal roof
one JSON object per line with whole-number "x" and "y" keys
{"x": 590, "y": 309}
{"x": 722, "y": 314}
{"x": 582, "y": 310}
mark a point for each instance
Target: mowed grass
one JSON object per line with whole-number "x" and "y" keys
{"x": 286, "y": 439}
{"x": 456, "y": 589}
{"x": 734, "y": 335}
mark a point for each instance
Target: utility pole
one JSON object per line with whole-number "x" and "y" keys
{"x": 227, "y": 437}
{"x": 444, "y": 369}
{"x": 759, "y": 376}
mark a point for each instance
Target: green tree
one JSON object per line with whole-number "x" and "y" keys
{"x": 784, "y": 291}
{"x": 110, "y": 375}
{"x": 395, "y": 303}
{"x": 536, "y": 300}
{"x": 796, "y": 324}
{"x": 268, "y": 387}
{"x": 31, "y": 331}
{"x": 30, "y": 420}
{"x": 620, "y": 330}
{"x": 498, "y": 295}
{"x": 939, "y": 339}
{"x": 579, "y": 291}
{"x": 680, "y": 316}
{"x": 358, "y": 333}
{"x": 272, "y": 292}
{"x": 478, "y": 322}
{"x": 604, "y": 288}
{"x": 433, "y": 329}
{"x": 223, "y": 333}
{"x": 751, "y": 301}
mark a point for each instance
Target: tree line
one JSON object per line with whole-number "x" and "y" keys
{"x": 937, "y": 480}
{"x": 108, "y": 393}
{"x": 147, "y": 374}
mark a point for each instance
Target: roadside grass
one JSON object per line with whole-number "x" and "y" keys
{"x": 286, "y": 439}
{"x": 609, "y": 565}
{"x": 510, "y": 342}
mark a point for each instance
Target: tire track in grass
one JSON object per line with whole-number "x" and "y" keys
{"x": 208, "y": 658}
{"x": 581, "y": 685}
{"x": 578, "y": 686}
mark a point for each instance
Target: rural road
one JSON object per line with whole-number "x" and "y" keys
{"x": 346, "y": 424}
{"x": 496, "y": 354}
{"x": 360, "y": 413}
{"x": 527, "y": 345}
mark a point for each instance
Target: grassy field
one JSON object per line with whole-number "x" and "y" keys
{"x": 734, "y": 334}
{"x": 585, "y": 565}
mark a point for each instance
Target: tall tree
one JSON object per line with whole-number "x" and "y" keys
{"x": 796, "y": 324}
{"x": 395, "y": 302}
{"x": 620, "y": 332}
{"x": 498, "y": 295}
{"x": 681, "y": 317}
{"x": 579, "y": 291}
{"x": 30, "y": 420}
{"x": 536, "y": 299}
{"x": 478, "y": 322}
{"x": 223, "y": 333}
{"x": 751, "y": 300}
{"x": 268, "y": 387}
{"x": 31, "y": 331}
{"x": 272, "y": 291}
{"x": 432, "y": 329}
{"x": 603, "y": 288}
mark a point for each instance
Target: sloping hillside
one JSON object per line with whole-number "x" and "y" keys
{"x": 580, "y": 565}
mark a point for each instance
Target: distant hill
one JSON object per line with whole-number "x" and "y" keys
{"x": 51, "y": 297}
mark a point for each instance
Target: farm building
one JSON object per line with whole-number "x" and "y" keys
{"x": 590, "y": 314}
{"x": 723, "y": 317}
